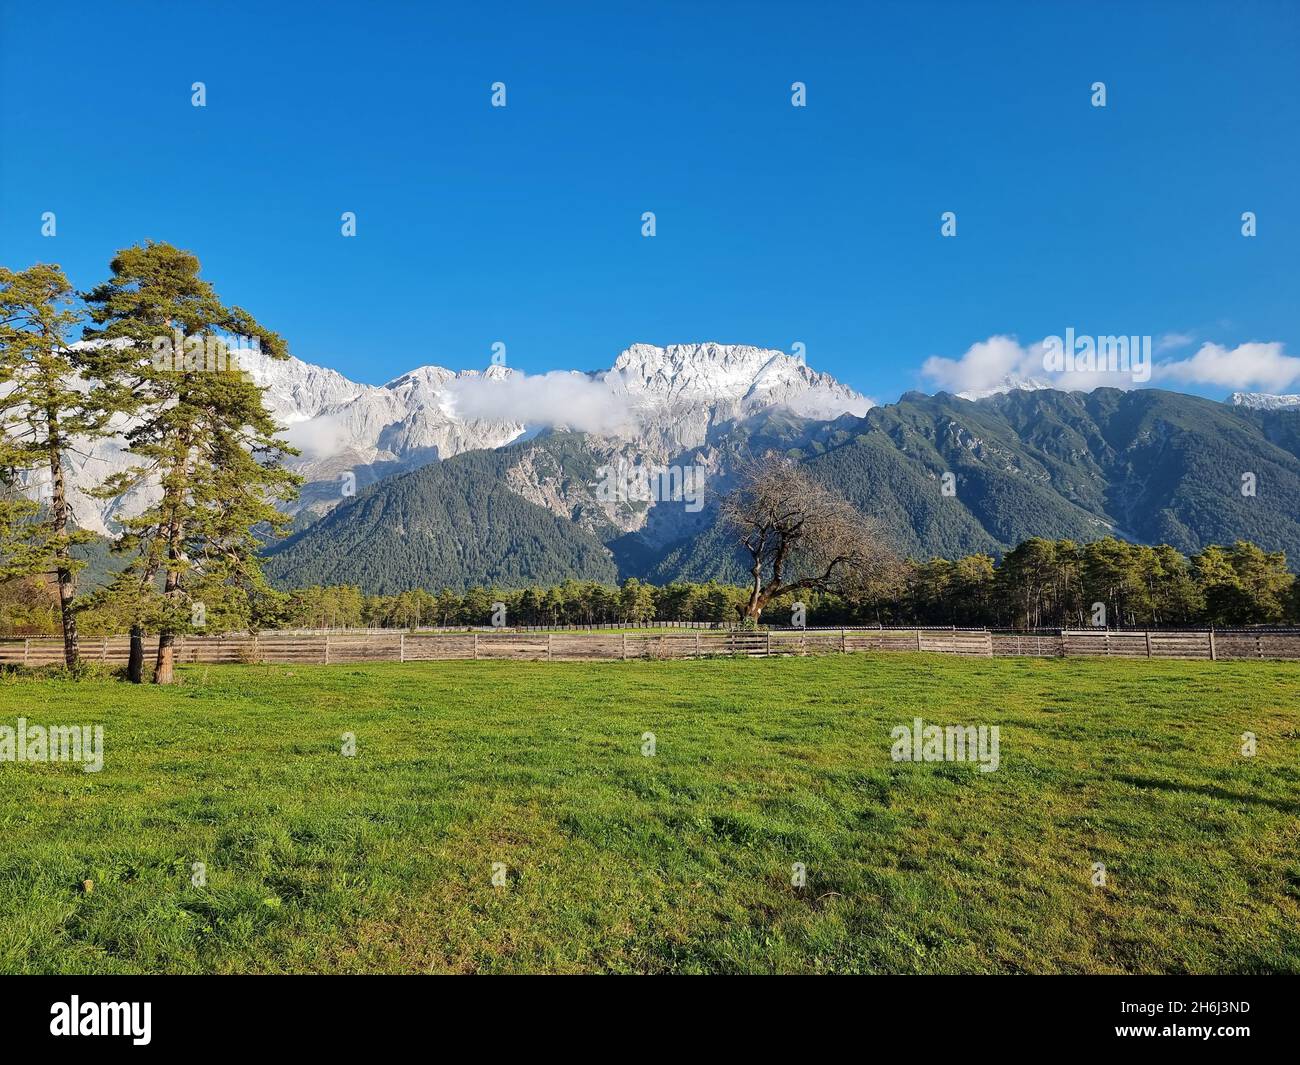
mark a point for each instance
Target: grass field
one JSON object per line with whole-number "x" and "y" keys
{"x": 677, "y": 862}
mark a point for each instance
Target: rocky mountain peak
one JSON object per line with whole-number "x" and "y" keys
{"x": 674, "y": 396}
{"x": 712, "y": 374}
{"x": 1264, "y": 401}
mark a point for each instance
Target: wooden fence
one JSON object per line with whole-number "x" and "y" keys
{"x": 402, "y": 646}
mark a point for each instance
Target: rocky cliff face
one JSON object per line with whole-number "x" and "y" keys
{"x": 1264, "y": 401}
{"x": 668, "y": 401}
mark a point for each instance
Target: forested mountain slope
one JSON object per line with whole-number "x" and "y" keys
{"x": 454, "y": 524}
{"x": 1147, "y": 465}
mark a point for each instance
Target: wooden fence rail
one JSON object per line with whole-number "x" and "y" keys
{"x": 565, "y": 646}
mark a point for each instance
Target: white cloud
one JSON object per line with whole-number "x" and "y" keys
{"x": 824, "y": 402}
{"x": 1247, "y": 366}
{"x": 1002, "y": 362}
{"x": 314, "y": 437}
{"x": 559, "y": 398}
{"x": 983, "y": 366}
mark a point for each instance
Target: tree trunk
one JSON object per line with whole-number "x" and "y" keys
{"x": 62, "y": 560}
{"x": 135, "y": 663}
{"x": 758, "y": 599}
{"x": 164, "y": 670}
{"x": 67, "y": 591}
{"x": 164, "y": 667}
{"x": 755, "y": 605}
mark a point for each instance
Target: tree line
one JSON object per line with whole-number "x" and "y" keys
{"x": 1040, "y": 584}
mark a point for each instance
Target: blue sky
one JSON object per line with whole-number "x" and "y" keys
{"x": 775, "y": 224}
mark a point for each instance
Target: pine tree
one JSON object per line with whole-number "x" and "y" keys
{"x": 204, "y": 437}
{"x": 47, "y": 404}
{"x": 636, "y": 601}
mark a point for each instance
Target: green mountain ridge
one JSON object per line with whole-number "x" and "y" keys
{"x": 1146, "y": 465}
{"x": 453, "y": 524}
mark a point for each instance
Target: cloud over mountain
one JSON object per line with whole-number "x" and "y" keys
{"x": 654, "y": 400}
{"x": 578, "y": 401}
{"x": 1001, "y": 363}
{"x": 1247, "y": 366}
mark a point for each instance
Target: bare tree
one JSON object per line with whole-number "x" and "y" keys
{"x": 800, "y": 535}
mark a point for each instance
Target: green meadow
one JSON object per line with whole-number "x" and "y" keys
{"x": 609, "y": 860}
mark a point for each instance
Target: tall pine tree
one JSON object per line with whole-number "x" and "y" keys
{"x": 47, "y": 411}
{"x": 204, "y": 438}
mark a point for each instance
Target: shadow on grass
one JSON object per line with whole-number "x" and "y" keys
{"x": 1212, "y": 792}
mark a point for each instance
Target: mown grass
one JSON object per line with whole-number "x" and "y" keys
{"x": 678, "y": 862}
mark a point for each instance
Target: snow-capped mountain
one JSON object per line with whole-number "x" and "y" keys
{"x": 386, "y": 429}
{"x": 677, "y": 394}
{"x": 716, "y": 374}
{"x": 1010, "y": 383}
{"x": 339, "y": 425}
{"x": 666, "y": 400}
{"x": 670, "y": 388}
{"x": 297, "y": 390}
{"x": 1264, "y": 401}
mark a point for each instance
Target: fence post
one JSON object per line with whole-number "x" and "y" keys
{"x": 1213, "y": 652}
{"x": 327, "y": 647}
{"x": 550, "y": 636}
{"x": 27, "y": 647}
{"x": 625, "y": 647}
{"x": 697, "y": 645}
{"x": 1148, "y": 636}
{"x": 401, "y": 647}
{"x": 844, "y": 640}
{"x": 918, "y": 639}
{"x": 476, "y": 647}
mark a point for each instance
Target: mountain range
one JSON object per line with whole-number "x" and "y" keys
{"x": 442, "y": 478}
{"x": 656, "y": 400}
